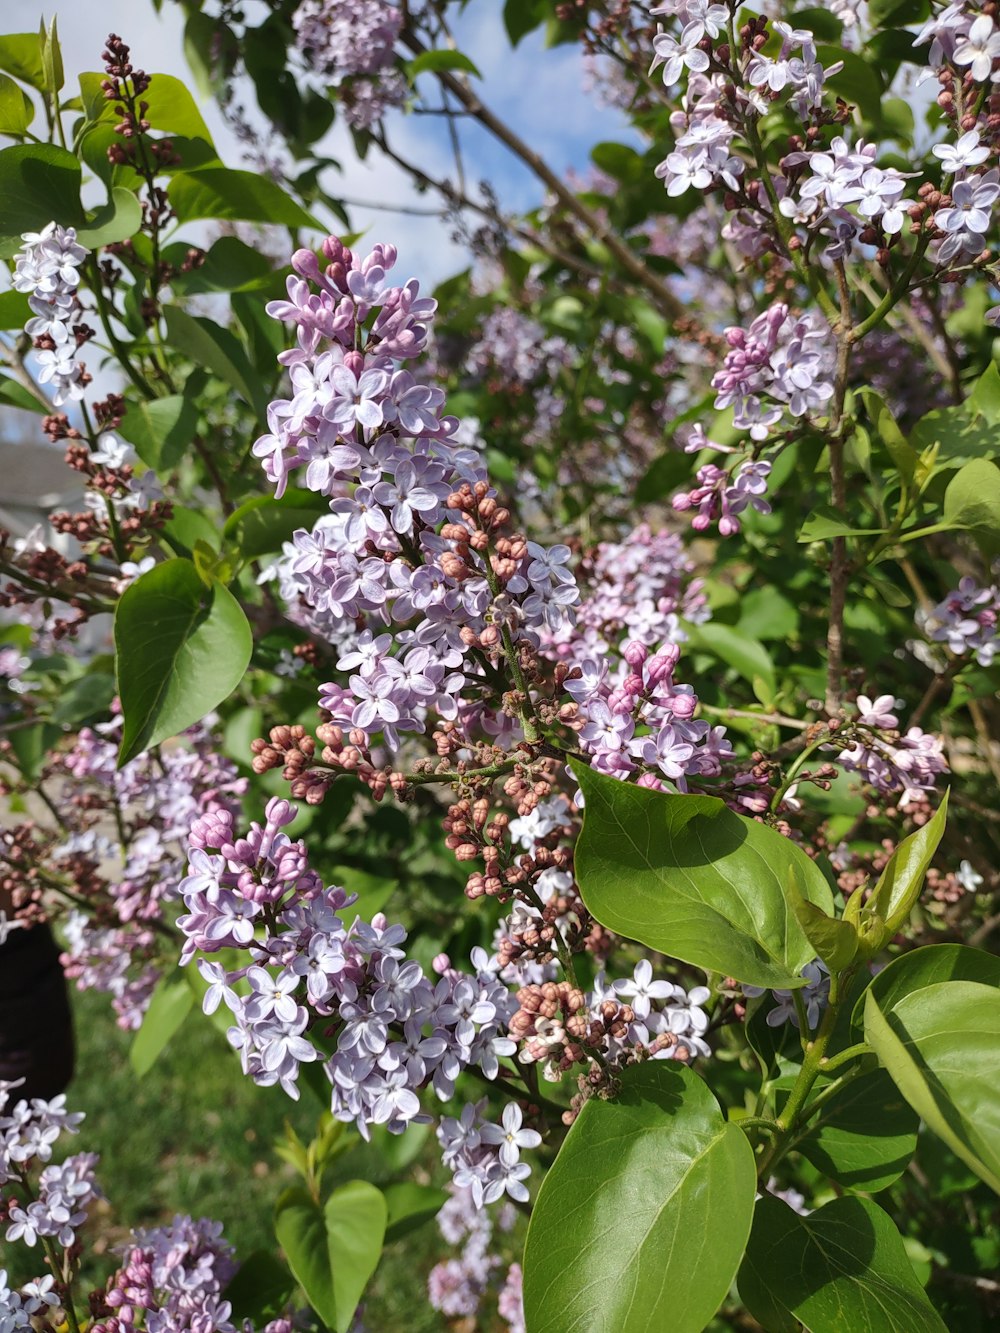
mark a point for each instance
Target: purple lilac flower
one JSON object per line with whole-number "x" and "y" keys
{"x": 46, "y": 268}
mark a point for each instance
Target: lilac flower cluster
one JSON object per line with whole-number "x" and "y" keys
{"x": 401, "y": 546}
{"x": 486, "y": 1157}
{"x": 783, "y": 362}
{"x": 661, "y": 1021}
{"x": 704, "y": 132}
{"x": 967, "y": 621}
{"x": 457, "y": 1287}
{"x": 151, "y": 802}
{"x": 839, "y": 177}
{"x": 396, "y": 1032}
{"x": 963, "y": 38}
{"x": 18, "y": 1308}
{"x": 143, "y": 488}
{"x": 639, "y": 587}
{"x": 814, "y": 996}
{"x": 967, "y": 218}
{"x": 61, "y": 1194}
{"x": 839, "y": 191}
{"x": 638, "y": 716}
{"x": 892, "y": 762}
{"x": 171, "y": 1281}
{"x": 172, "y": 1277}
{"x": 47, "y": 269}
{"x": 721, "y": 496}
{"x": 352, "y": 42}
{"x": 513, "y": 348}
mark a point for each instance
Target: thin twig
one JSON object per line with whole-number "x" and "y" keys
{"x": 661, "y": 294}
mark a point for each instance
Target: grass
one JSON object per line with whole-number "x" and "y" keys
{"x": 195, "y": 1136}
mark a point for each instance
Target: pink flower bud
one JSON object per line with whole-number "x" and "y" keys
{"x": 279, "y": 812}
{"x": 306, "y": 265}
{"x": 661, "y": 666}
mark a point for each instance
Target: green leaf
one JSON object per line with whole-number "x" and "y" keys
{"x": 261, "y": 1289}
{"x": 14, "y": 310}
{"x": 230, "y": 266}
{"x": 897, "y": 117}
{"x": 902, "y": 879}
{"x": 171, "y": 1003}
{"x": 32, "y": 746}
{"x": 955, "y": 435}
{"x": 941, "y": 1045}
{"x": 663, "y": 476}
{"x": 886, "y": 13}
{"x": 21, "y": 55}
{"x": 857, "y": 82}
{"x": 187, "y": 528}
{"x": 39, "y": 183}
{"x": 226, "y": 194}
{"x": 824, "y": 25}
{"x": 825, "y": 523}
{"x": 925, "y": 967}
{"x": 373, "y": 891}
{"x": 16, "y": 395}
{"x": 835, "y": 941}
{"x": 434, "y": 61}
{"x": 117, "y": 220}
{"x": 985, "y": 396}
{"x": 16, "y": 107}
{"x": 410, "y": 1206}
{"x": 88, "y": 697}
{"x": 521, "y": 17}
{"x": 216, "y": 349}
{"x": 884, "y": 427}
{"x": 744, "y": 654}
{"x": 182, "y": 648}
{"x": 52, "y": 61}
{"x": 333, "y": 1250}
{"x": 865, "y": 1136}
{"x": 641, "y": 1222}
{"x": 972, "y": 499}
{"x": 765, "y": 613}
{"x": 686, "y": 876}
{"x": 618, "y": 160}
{"x": 161, "y": 429}
{"x": 171, "y": 106}
{"x": 842, "y": 1269}
{"x": 260, "y": 525}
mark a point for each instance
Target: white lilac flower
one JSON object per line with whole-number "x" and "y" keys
{"x": 677, "y": 54}
{"x": 968, "y": 877}
{"x": 509, "y": 1135}
{"x": 967, "y": 152}
{"x": 979, "y": 49}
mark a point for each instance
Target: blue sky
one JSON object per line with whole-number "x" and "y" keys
{"x": 540, "y": 93}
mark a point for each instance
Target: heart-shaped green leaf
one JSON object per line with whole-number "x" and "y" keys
{"x": 641, "y": 1222}
{"x": 842, "y": 1269}
{"x": 925, "y": 967}
{"x": 333, "y": 1250}
{"x": 688, "y": 877}
{"x": 866, "y": 1134}
{"x": 182, "y": 646}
